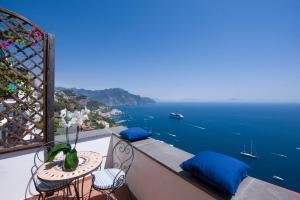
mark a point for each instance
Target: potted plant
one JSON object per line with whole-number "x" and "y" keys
{"x": 70, "y": 154}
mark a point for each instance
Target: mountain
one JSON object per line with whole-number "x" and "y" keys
{"x": 111, "y": 97}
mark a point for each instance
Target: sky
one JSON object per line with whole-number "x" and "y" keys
{"x": 175, "y": 50}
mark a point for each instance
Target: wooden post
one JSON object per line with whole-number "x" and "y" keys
{"x": 50, "y": 87}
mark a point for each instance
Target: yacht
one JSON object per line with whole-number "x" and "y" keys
{"x": 248, "y": 154}
{"x": 278, "y": 178}
{"x": 176, "y": 115}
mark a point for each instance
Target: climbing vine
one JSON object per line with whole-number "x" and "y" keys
{"x": 15, "y": 79}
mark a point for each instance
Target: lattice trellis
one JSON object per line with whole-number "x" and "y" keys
{"x": 23, "y": 82}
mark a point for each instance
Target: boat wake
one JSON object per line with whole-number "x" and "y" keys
{"x": 279, "y": 155}
{"x": 121, "y": 121}
{"x": 195, "y": 126}
{"x": 130, "y": 119}
{"x": 278, "y": 178}
{"x": 150, "y": 117}
{"x": 173, "y": 135}
{"x": 156, "y": 133}
{"x": 298, "y": 148}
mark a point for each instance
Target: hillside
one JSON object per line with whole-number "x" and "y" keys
{"x": 112, "y": 97}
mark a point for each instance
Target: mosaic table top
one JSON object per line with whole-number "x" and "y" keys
{"x": 88, "y": 162}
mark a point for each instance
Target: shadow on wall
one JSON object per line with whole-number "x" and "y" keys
{"x": 109, "y": 159}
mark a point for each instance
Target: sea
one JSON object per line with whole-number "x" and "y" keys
{"x": 273, "y": 128}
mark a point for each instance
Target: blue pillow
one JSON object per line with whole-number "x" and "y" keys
{"x": 222, "y": 171}
{"x": 136, "y": 133}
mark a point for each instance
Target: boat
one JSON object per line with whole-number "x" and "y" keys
{"x": 176, "y": 115}
{"x": 248, "y": 154}
{"x": 278, "y": 178}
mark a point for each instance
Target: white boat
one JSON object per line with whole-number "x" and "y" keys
{"x": 248, "y": 154}
{"x": 278, "y": 178}
{"x": 176, "y": 115}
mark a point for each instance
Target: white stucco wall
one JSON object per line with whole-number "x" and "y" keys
{"x": 15, "y": 174}
{"x": 148, "y": 180}
{"x": 15, "y": 168}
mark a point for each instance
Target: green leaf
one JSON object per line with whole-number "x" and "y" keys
{"x": 71, "y": 160}
{"x": 58, "y": 148}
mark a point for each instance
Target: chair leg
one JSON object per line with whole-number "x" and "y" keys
{"x": 40, "y": 194}
{"x": 69, "y": 188}
{"x": 67, "y": 192}
{"x": 90, "y": 192}
{"x": 107, "y": 195}
{"x": 63, "y": 193}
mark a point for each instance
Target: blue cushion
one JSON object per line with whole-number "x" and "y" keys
{"x": 220, "y": 170}
{"x": 134, "y": 134}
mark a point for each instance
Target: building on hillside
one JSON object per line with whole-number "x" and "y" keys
{"x": 70, "y": 94}
{"x": 103, "y": 123}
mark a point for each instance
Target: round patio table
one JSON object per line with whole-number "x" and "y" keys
{"x": 53, "y": 171}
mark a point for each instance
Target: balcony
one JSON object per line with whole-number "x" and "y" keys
{"x": 155, "y": 173}
{"x": 27, "y": 119}
{"x": 121, "y": 194}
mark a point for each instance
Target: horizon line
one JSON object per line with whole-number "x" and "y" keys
{"x": 158, "y": 100}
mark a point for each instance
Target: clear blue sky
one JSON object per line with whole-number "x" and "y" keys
{"x": 189, "y": 50}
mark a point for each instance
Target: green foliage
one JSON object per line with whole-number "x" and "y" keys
{"x": 58, "y": 148}
{"x": 71, "y": 160}
{"x": 69, "y": 92}
{"x": 78, "y": 98}
{"x": 94, "y": 105}
{"x": 9, "y": 77}
{"x": 21, "y": 36}
{"x": 93, "y": 118}
{"x": 6, "y": 35}
{"x": 99, "y": 126}
{"x": 56, "y": 124}
{"x": 110, "y": 121}
{"x": 10, "y": 73}
{"x": 63, "y": 103}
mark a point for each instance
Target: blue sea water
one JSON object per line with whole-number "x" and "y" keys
{"x": 226, "y": 127}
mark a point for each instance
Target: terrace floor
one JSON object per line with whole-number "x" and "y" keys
{"x": 121, "y": 194}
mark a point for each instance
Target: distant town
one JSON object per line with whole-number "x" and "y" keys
{"x": 75, "y": 112}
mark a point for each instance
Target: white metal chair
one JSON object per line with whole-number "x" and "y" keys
{"x": 46, "y": 187}
{"x": 109, "y": 180}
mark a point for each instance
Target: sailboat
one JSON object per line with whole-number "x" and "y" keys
{"x": 248, "y": 154}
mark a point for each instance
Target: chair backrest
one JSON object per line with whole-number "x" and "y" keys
{"x": 34, "y": 177}
{"x": 41, "y": 154}
{"x": 123, "y": 155}
{"x": 47, "y": 186}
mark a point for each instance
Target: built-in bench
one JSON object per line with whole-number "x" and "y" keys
{"x": 171, "y": 157}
